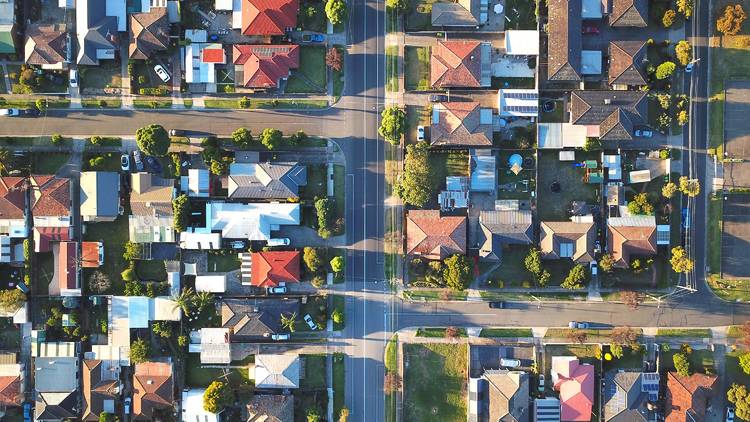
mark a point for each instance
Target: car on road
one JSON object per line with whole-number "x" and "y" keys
{"x": 579, "y": 325}
{"x": 644, "y": 133}
{"x": 280, "y": 290}
{"x": 280, "y": 337}
{"x": 420, "y": 133}
{"x": 594, "y": 268}
{"x": 73, "y": 78}
{"x": 125, "y": 162}
{"x": 510, "y": 363}
{"x": 685, "y": 219}
{"x": 438, "y": 98}
{"x": 176, "y": 132}
{"x": 313, "y": 38}
{"x": 730, "y": 414}
{"x": 153, "y": 164}
{"x": 162, "y": 73}
{"x": 137, "y": 160}
{"x": 497, "y": 304}
{"x": 589, "y": 30}
{"x": 540, "y": 387}
{"x": 689, "y": 67}
{"x": 31, "y": 112}
{"x": 310, "y": 323}
{"x": 27, "y": 412}
{"x": 128, "y": 402}
{"x": 9, "y": 112}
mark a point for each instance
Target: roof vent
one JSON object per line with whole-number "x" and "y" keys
{"x": 149, "y": 382}
{"x": 471, "y": 58}
{"x": 607, "y": 101}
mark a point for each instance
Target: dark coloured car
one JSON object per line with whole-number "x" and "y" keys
{"x": 497, "y": 305}
{"x": 30, "y": 112}
{"x": 589, "y": 30}
{"x": 153, "y": 164}
{"x": 438, "y": 98}
{"x": 138, "y": 160}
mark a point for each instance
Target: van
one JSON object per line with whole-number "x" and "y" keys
{"x": 510, "y": 363}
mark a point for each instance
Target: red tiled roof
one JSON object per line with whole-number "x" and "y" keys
{"x": 90, "y": 254}
{"x": 213, "y": 55}
{"x": 50, "y": 196}
{"x": 66, "y": 265}
{"x": 625, "y": 241}
{"x": 10, "y": 391}
{"x": 688, "y": 395}
{"x": 152, "y": 388}
{"x": 264, "y": 65}
{"x": 456, "y": 63}
{"x": 43, "y": 236}
{"x": 12, "y": 197}
{"x": 268, "y": 17}
{"x": 576, "y": 386}
{"x": 271, "y": 268}
{"x": 434, "y": 237}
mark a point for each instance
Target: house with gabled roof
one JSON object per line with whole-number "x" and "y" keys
{"x": 499, "y": 228}
{"x": 627, "y": 396}
{"x": 567, "y": 239}
{"x": 46, "y": 46}
{"x": 56, "y": 388}
{"x": 432, "y": 236}
{"x": 631, "y": 236}
{"x": 265, "y": 180}
{"x": 153, "y": 389}
{"x": 575, "y": 382}
{"x": 149, "y": 33}
{"x": 67, "y": 269}
{"x": 271, "y": 268}
{"x": 101, "y": 388}
{"x": 151, "y": 209}
{"x": 97, "y": 25}
{"x": 50, "y": 200}
{"x": 269, "y": 408}
{"x": 688, "y": 398}
{"x": 12, "y": 380}
{"x": 461, "y": 124}
{"x": 460, "y": 14}
{"x": 609, "y": 115}
{"x": 500, "y": 395}
{"x": 253, "y": 320}
{"x": 264, "y": 66}
{"x": 564, "y": 38}
{"x": 100, "y": 196}
{"x": 460, "y": 64}
{"x": 263, "y": 17}
{"x": 13, "y": 207}
{"x": 629, "y": 13}
{"x": 277, "y": 371}
{"x": 627, "y": 64}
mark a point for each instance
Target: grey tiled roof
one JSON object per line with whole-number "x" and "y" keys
{"x": 564, "y": 45}
{"x": 629, "y": 13}
{"x": 278, "y": 180}
{"x": 616, "y": 112}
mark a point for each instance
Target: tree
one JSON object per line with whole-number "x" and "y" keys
{"x": 5, "y": 161}
{"x": 664, "y": 98}
{"x": 344, "y": 415}
{"x": 577, "y": 336}
{"x": 153, "y": 140}
{"x": 640, "y": 205}
{"x": 184, "y": 300}
{"x": 681, "y": 262}
{"x": 668, "y": 190}
{"x": 56, "y": 139}
{"x": 457, "y": 272}
{"x": 415, "y": 187}
{"x": 217, "y": 396}
{"x": 128, "y": 274}
{"x": 202, "y": 300}
{"x": 592, "y": 144}
{"x": 182, "y": 340}
{"x": 631, "y": 298}
{"x": 312, "y": 259}
{"x": 337, "y": 264}
{"x": 665, "y": 70}
{"x": 681, "y": 364}
{"x": 336, "y": 11}
{"x": 684, "y": 52}
{"x": 690, "y": 187}
{"x": 181, "y": 210}
{"x": 392, "y": 382}
{"x": 298, "y": 137}
{"x": 108, "y": 417}
{"x": 288, "y": 321}
{"x": 162, "y": 328}
{"x": 318, "y": 281}
{"x": 132, "y": 251}
{"x": 682, "y": 117}
{"x": 668, "y": 19}
{"x": 271, "y": 138}
{"x": 392, "y": 124}
{"x": 575, "y": 278}
{"x": 745, "y": 362}
{"x": 616, "y": 350}
{"x": 334, "y": 59}
{"x": 624, "y": 336}
{"x": 685, "y": 7}
{"x": 313, "y": 414}
{"x": 242, "y": 137}
{"x": 730, "y": 23}
{"x": 738, "y": 396}
{"x": 95, "y": 140}
{"x": 11, "y": 300}
{"x": 606, "y": 263}
{"x": 543, "y": 278}
{"x": 337, "y": 316}
{"x": 323, "y": 210}
{"x": 139, "y": 351}
{"x": 41, "y": 104}
{"x": 533, "y": 262}
{"x": 99, "y": 282}
{"x": 400, "y": 5}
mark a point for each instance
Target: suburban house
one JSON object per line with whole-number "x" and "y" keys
{"x": 46, "y": 46}
{"x": 214, "y": 346}
{"x": 518, "y": 102}
{"x": 270, "y": 180}
{"x": 271, "y": 268}
{"x": 459, "y": 14}
{"x": 13, "y": 207}
{"x": 628, "y": 236}
{"x": 266, "y": 18}
{"x": 269, "y": 408}
{"x": 130, "y": 312}
{"x": 564, "y": 40}
{"x": 609, "y": 115}
{"x": 101, "y": 389}
{"x": 575, "y": 382}
{"x": 627, "y": 64}
{"x": 277, "y": 371}
{"x": 192, "y": 406}
{"x": 153, "y": 389}
{"x": 460, "y": 64}
{"x": 100, "y": 196}
{"x": 503, "y": 227}
{"x": 499, "y": 395}
{"x": 50, "y": 208}
{"x": 201, "y": 59}
{"x": 248, "y": 221}
{"x": 629, "y": 13}
{"x": 547, "y": 409}
{"x": 56, "y": 388}
{"x": 568, "y": 239}
{"x": 432, "y": 236}
{"x": 461, "y": 124}
{"x": 7, "y": 27}
{"x": 149, "y": 32}
{"x": 12, "y": 381}
{"x": 197, "y": 184}
{"x": 689, "y": 397}
{"x": 151, "y": 208}
{"x": 67, "y": 270}
{"x": 264, "y": 66}
{"x": 255, "y": 320}
{"x": 97, "y": 25}
{"x": 627, "y": 396}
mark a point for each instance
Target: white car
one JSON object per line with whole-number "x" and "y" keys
{"x": 579, "y": 325}
{"x": 163, "y": 75}
{"x": 276, "y": 290}
{"x": 594, "y": 268}
{"x": 125, "y": 162}
{"x": 73, "y": 78}
{"x": 278, "y": 242}
{"x": 9, "y": 112}
{"x": 310, "y": 323}
{"x": 280, "y": 337}
{"x": 541, "y": 383}
{"x": 420, "y": 133}
{"x": 730, "y": 414}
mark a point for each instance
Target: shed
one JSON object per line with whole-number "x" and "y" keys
{"x": 138, "y": 311}
{"x": 214, "y": 283}
{"x": 640, "y": 176}
{"x": 522, "y": 42}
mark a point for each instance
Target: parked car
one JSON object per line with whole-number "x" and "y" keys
{"x": 589, "y": 30}
{"x": 278, "y": 242}
{"x": 420, "y": 133}
{"x": 280, "y": 337}
{"x": 138, "y": 161}
{"x": 310, "y": 323}
{"x": 128, "y": 401}
{"x": 730, "y": 414}
{"x": 162, "y": 73}
{"x": 510, "y": 363}
{"x": 27, "y": 412}
{"x": 313, "y": 38}
{"x": 153, "y": 163}
{"x": 280, "y": 290}
{"x": 685, "y": 219}
{"x": 644, "y": 133}
{"x": 31, "y": 112}
{"x": 579, "y": 325}
{"x": 438, "y": 98}
{"x": 594, "y": 267}
{"x": 176, "y": 132}
{"x": 689, "y": 67}
{"x": 540, "y": 387}
{"x": 125, "y": 162}
{"x": 497, "y": 305}
{"x": 9, "y": 112}
{"x": 237, "y": 244}
{"x": 73, "y": 77}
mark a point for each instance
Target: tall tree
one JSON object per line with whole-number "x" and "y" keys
{"x": 457, "y": 272}
{"x": 153, "y": 140}
{"x": 392, "y": 124}
{"x": 336, "y": 11}
{"x": 415, "y": 187}
{"x": 288, "y": 321}
{"x": 184, "y": 300}
{"x": 217, "y": 396}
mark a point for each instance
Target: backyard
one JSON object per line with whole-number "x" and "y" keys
{"x": 435, "y": 382}
{"x": 417, "y": 75}
{"x": 114, "y": 235}
{"x": 561, "y": 183}
{"x": 223, "y": 262}
{"x": 311, "y": 75}
{"x": 520, "y": 14}
{"x": 512, "y": 185}
{"x": 311, "y": 16}
{"x": 196, "y": 376}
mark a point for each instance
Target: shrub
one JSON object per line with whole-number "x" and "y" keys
{"x": 217, "y": 396}
{"x": 681, "y": 364}
{"x": 575, "y": 278}
{"x": 682, "y": 117}
{"x": 684, "y": 52}
{"x": 56, "y": 139}
{"x": 668, "y": 19}
{"x": 128, "y": 274}
{"x": 457, "y": 272}
{"x": 312, "y": 258}
{"x": 323, "y": 210}
{"x": 665, "y": 70}
{"x": 245, "y": 102}
{"x": 228, "y": 89}
{"x": 730, "y": 23}
{"x": 181, "y": 210}
{"x": 139, "y": 351}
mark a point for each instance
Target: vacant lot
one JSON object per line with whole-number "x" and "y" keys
{"x": 311, "y": 75}
{"x": 94, "y": 79}
{"x": 560, "y": 183}
{"x": 735, "y": 238}
{"x": 435, "y": 382}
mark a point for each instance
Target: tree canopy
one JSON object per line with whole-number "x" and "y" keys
{"x": 415, "y": 187}
{"x": 681, "y": 364}
{"x": 737, "y": 395}
{"x": 217, "y": 396}
{"x": 681, "y": 262}
{"x": 153, "y": 140}
{"x": 139, "y": 351}
{"x": 336, "y": 11}
{"x": 312, "y": 258}
{"x": 640, "y": 205}
{"x": 392, "y": 124}
{"x": 337, "y": 264}
{"x": 575, "y": 278}
{"x": 665, "y": 70}
{"x": 690, "y": 187}
{"x": 271, "y": 138}
{"x": 11, "y": 300}
{"x": 684, "y": 52}
{"x": 457, "y": 272}
{"x": 180, "y": 209}
{"x": 242, "y": 137}
{"x": 730, "y": 23}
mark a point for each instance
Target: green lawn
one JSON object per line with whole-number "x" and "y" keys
{"x": 114, "y": 235}
{"x": 111, "y": 162}
{"x": 339, "y": 192}
{"x": 730, "y": 289}
{"x": 95, "y": 103}
{"x": 316, "y": 182}
{"x": 506, "y": 332}
{"x": 338, "y": 302}
{"x": 221, "y": 263}
{"x": 631, "y": 359}
{"x": 107, "y": 74}
{"x": 592, "y": 334}
{"x": 51, "y": 103}
{"x": 417, "y": 76}
{"x": 435, "y": 382}
{"x": 520, "y": 14}
{"x": 311, "y": 75}
{"x": 512, "y": 272}
{"x": 684, "y": 332}
{"x": 338, "y": 75}
{"x": 574, "y": 295}
{"x": 570, "y": 179}
{"x": 734, "y": 331}
{"x": 315, "y": 373}
{"x": 151, "y": 270}
{"x": 700, "y": 359}
{"x": 161, "y": 103}
{"x": 733, "y": 371}
{"x": 267, "y": 104}
{"x": 49, "y": 163}
{"x": 434, "y": 295}
{"x": 391, "y": 68}
{"x": 339, "y": 383}
{"x": 195, "y": 376}
{"x": 448, "y": 164}
{"x": 312, "y": 16}
{"x": 437, "y": 332}
{"x": 715, "y": 206}
{"x": 390, "y": 355}
{"x": 556, "y": 115}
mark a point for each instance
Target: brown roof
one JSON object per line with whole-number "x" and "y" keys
{"x": 433, "y": 236}
{"x": 629, "y": 13}
{"x": 624, "y": 241}
{"x": 96, "y": 389}
{"x": 12, "y": 197}
{"x": 270, "y": 408}
{"x": 268, "y": 17}
{"x": 11, "y": 393}
{"x": 567, "y": 239}
{"x": 456, "y": 64}
{"x": 564, "y": 50}
{"x": 627, "y": 62}
{"x": 90, "y": 254}
{"x": 615, "y": 112}
{"x": 45, "y": 44}
{"x": 153, "y": 388}
{"x": 50, "y": 196}
{"x": 67, "y": 271}
{"x": 459, "y": 123}
{"x": 149, "y": 32}
{"x": 689, "y": 396}
{"x": 151, "y": 196}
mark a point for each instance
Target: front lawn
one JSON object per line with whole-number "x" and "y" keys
{"x": 311, "y": 75}
{"x": 512, "y": 271}
{"x": 435, "y": 382}
{"x": 312, "y": 16}
{"x": 223, "y": 263}
{"x": 438, "y": 332}
{"x": 339, "y": 383}
{"x": 419, "y": 15}
{"x": 733, "y": 371}
{"x": 317, "y": 185}
{"x": 391, "y": 68}
{"x": 417, "y": 75}
{"x": 315, "y": 373}
{"x": 700, "y": 360}
{"x": 448, "y": 164}
{"x": 684, "y": 332}
{"x": 49, "y": 162}
{"x": 94, "y": 79}
{"x": 430, "y": 295}
{"x": 506, "y": 332}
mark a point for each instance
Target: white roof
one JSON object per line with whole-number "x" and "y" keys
{"x": 250, "y": 221}
{"x": 632, "y": 221}
{"x": 192, "y": 407}
{"x": 191, "y": 268}
{"x": 277, "y": 371}
{"x": 223, "y": 4}
{"x": 567, "y": 155}
{"x": 640, "y": 176}
{"x": 522, "y": 42}
{"x": 518, "y": 102}
{"x": 163, "y": 308}
{"x": 200, "y": 241}
{"x": 591, "y": 62}
{"x": 197, "y": 71}
{"x": 561, "y": 135}
{"x": 215, "y": 346}
{"x": 138, "y": 311}
{"x": 215, "y": 283}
